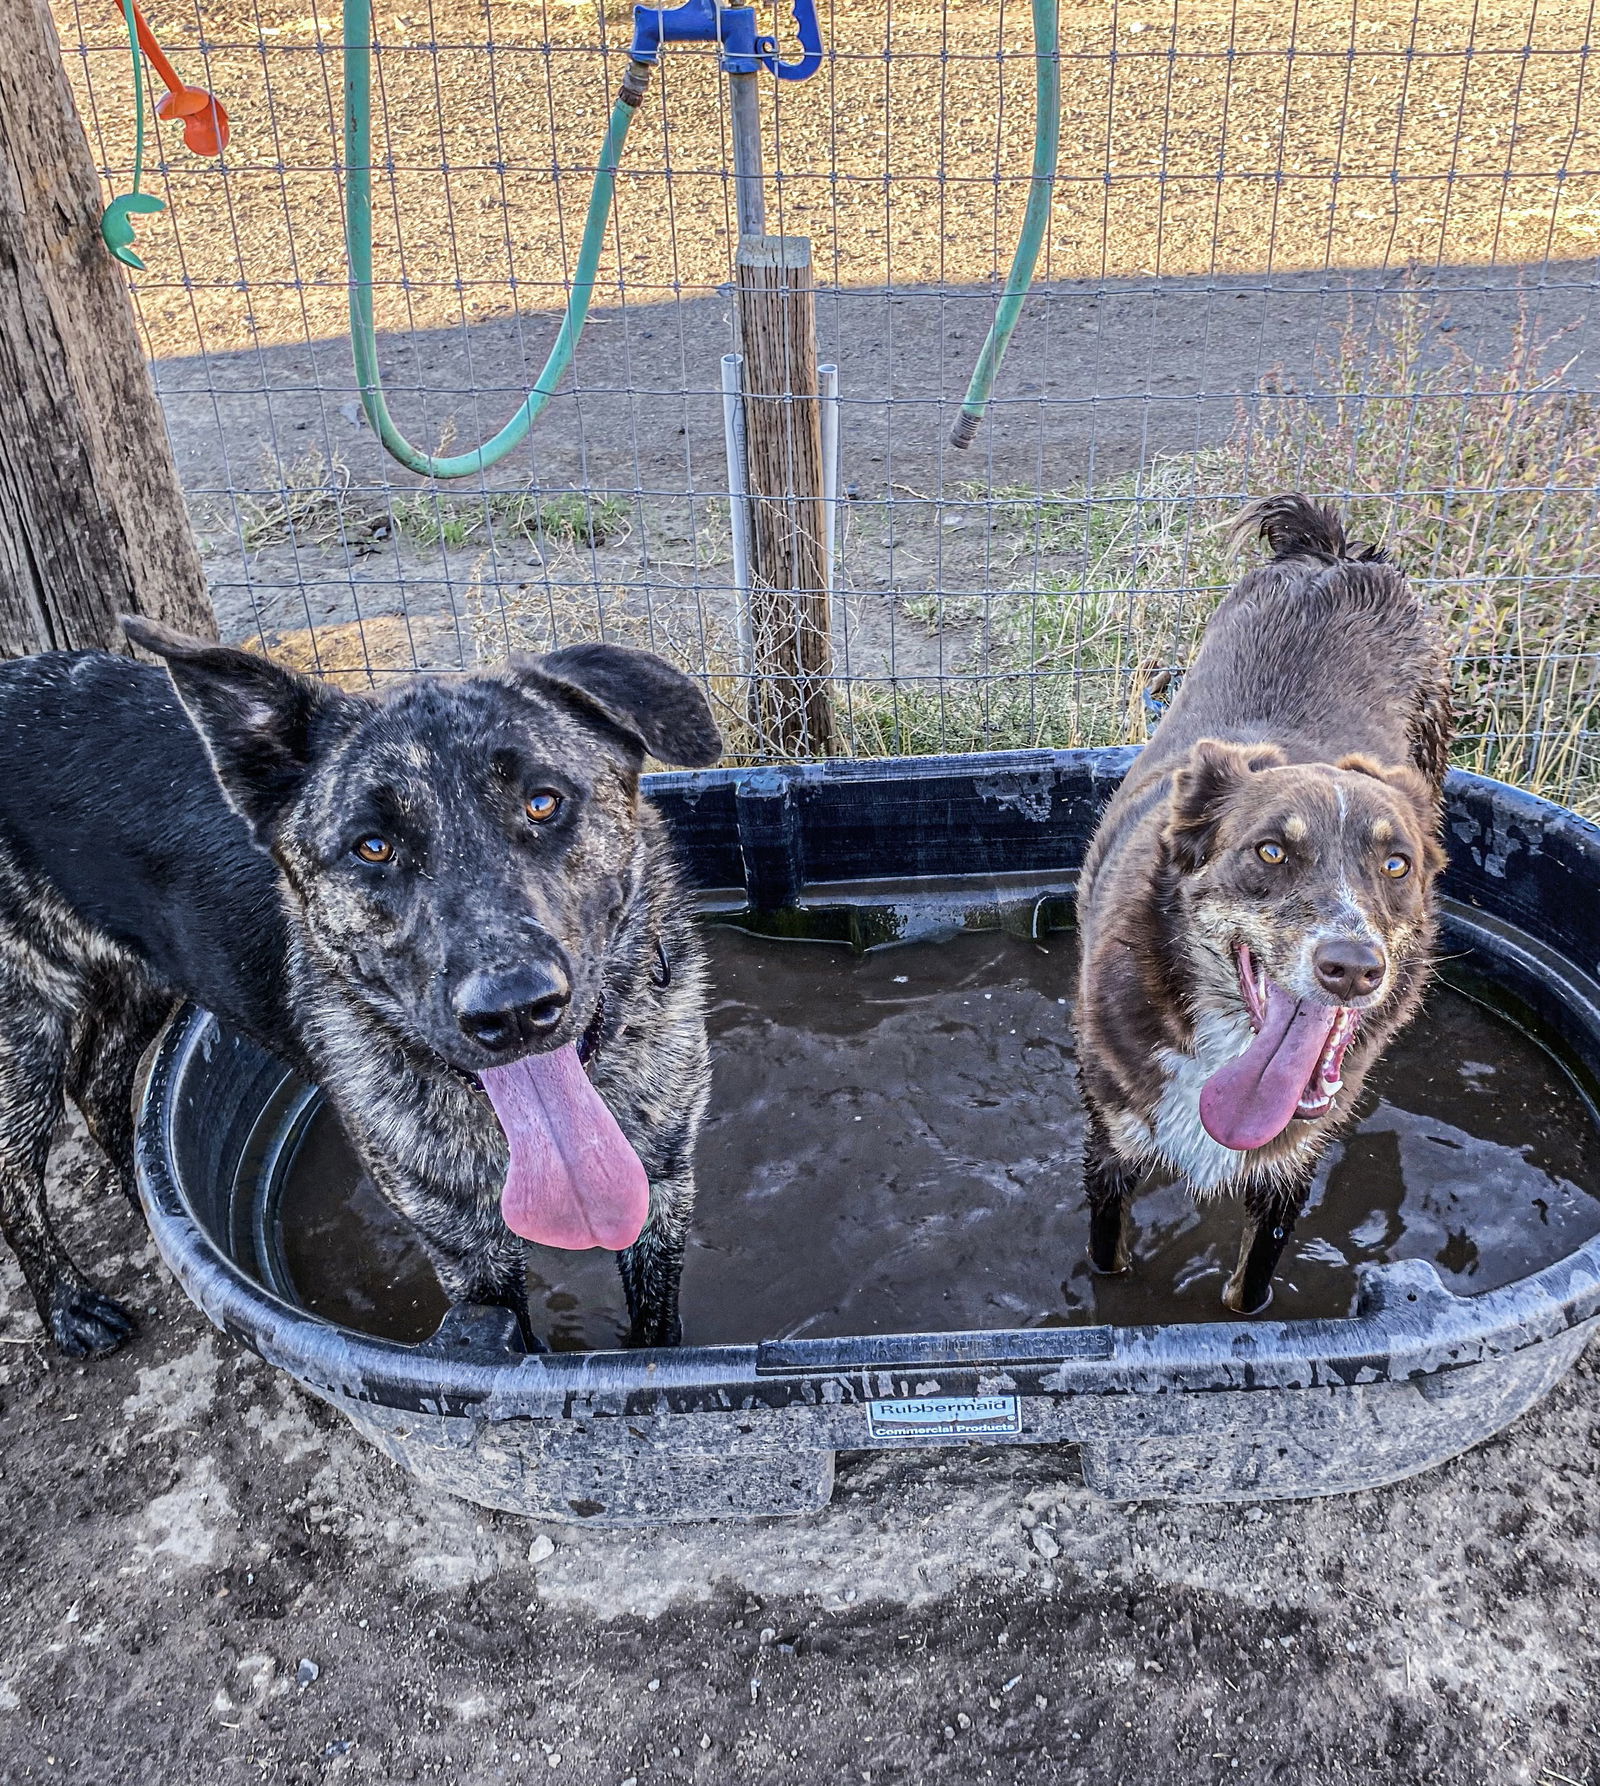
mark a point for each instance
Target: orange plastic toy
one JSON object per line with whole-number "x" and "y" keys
{"x": 205, "y": 123}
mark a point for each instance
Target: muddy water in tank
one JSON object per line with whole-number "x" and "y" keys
{"x": 894, "y": 1145}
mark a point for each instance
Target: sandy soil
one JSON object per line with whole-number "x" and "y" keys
{"x": 206, "y": 1577}
{"x": 1104, "y": 381}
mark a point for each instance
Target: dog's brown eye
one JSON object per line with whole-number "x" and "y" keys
{"x": 375, "y": 849}
{"x": 542, "y": 806}
{"x": 1396, "y": 867}
{"x": 1272, "y": 853}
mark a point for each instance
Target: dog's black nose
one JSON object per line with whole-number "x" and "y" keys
{"x": 1348, "y": 967}
{"x": 512, "y": 1007}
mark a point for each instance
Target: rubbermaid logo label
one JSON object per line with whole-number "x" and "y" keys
{"x": 944, "y": 1417}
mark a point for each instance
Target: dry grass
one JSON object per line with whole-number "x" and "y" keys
{"x": 348, "y": 653}
{"x": 1482, "y": 482}
{"x": 1193, "y": 144}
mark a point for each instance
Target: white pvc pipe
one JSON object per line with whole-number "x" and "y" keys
{"x": 738, "y": 496}
{"x": 828, "y": 380}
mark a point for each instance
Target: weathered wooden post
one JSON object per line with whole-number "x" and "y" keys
{"x": 787, "y": 604}
{"x": 789, "y": 620}
{"x": 92, "y": 521}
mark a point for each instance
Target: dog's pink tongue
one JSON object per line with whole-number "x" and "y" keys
{"x": 574, "y": 1181}
{"x": 1253, "y": 1099}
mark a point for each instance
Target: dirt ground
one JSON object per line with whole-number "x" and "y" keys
{"x": 1236, "y": 180}
{"x": 1240, "y": 186}
{"x": 205, "y": 1576}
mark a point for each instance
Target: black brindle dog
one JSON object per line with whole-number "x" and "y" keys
{"x": 445, "y": 907}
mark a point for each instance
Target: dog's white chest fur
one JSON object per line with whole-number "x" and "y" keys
{"x": 1175, "y": 1134}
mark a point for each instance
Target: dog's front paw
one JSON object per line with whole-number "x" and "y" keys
{"x": 1112, "y": 1262}
{"x": 84, "y": 1323}
{"x": 1110, "y": 1242}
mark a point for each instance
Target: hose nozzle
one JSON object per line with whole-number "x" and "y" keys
{"x": 965, "y": 431}
{"x": 635, "y": 84}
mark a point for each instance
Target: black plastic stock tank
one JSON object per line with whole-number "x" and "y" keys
{"x": 1230, "y": 1410}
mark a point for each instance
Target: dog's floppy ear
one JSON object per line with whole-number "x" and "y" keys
{"x": 1402, "y": 777}
{"x": 1415, "y": 789}
{"x": 262, "y": 725}
{"x": 1200, "y": 790}
{"x": 642, "y": 695}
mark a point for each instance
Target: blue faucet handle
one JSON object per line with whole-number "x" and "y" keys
{"x": 805, "y": 17}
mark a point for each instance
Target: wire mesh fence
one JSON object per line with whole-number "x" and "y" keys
{"x": 1337, "y": 247}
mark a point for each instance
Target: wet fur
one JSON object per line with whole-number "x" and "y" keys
{"x": 128, "y": 879}
{"x": 1324, "y": 669}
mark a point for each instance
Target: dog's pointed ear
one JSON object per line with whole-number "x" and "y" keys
{"x": 262, "y": 725}
{"x": 1201, "y": 789}
{"x": 643, "y": 696}
{"x": 1416, "y": 790}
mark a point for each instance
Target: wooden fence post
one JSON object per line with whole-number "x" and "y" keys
{"x": 792, "y": 709}
{"x": 92, "y": 520}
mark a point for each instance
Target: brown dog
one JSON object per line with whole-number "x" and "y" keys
{"x": 1256, "y": 909}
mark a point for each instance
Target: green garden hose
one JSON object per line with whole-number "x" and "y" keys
{"x": 358, "y": 228}
{"x": 1046, "y": 150}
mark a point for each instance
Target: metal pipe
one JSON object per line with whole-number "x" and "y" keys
{"x": 738, "y": 497}
{"x": 828, "y": 384}
{"x": 749, "y": 197}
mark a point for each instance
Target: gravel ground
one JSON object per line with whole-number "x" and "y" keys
{"x": 1192, "y": 145}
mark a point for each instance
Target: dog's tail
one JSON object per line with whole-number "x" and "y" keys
{"x": 1295, "y": 526}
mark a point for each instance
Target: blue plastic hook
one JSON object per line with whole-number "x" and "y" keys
{"x": 804, "y": 13}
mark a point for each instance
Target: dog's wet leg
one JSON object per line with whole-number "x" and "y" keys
{"x": 492, "y": 1271}
{"x": 106, "y": 1052}
{"x": 1108, "y": 1182}
{"x": 82, "y": 1322}
{"x": 652, "y": 1266}
{"x": 512, "y": 1293}
{"x": 1270, "y": 1214}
